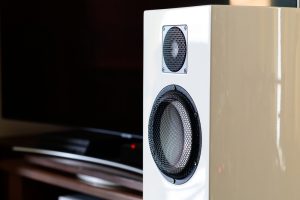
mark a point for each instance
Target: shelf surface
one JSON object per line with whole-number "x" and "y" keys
{"x": 64, "y": 176}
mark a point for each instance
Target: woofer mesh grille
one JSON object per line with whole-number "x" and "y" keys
{"x": 175, "y": 134}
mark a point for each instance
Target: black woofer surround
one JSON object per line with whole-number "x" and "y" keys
{"x": 175, "y": 134}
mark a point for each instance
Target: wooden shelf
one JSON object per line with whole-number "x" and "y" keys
{"x": 61, "y": 174}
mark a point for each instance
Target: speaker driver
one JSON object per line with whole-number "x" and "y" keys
{"x": 175, "y": 134}
{"x": 175, "y": 48}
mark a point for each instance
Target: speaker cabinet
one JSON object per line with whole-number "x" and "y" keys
{"x": 222, "y": 103}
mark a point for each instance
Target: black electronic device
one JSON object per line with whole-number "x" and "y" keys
{"x": 116, "y": 151}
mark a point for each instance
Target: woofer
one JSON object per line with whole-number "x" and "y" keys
{"x": 175, "y": 134}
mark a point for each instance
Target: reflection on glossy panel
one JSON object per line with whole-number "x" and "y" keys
{"x": 281, "y": 3}
{"x": 251, "y": 2}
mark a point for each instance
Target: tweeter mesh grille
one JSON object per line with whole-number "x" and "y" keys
{"x": 174, "y": 49}
{"x": 175, "y": 134}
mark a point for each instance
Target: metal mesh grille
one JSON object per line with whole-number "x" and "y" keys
{"x": 174, "y": 135}
{"x": 174, "y": 49}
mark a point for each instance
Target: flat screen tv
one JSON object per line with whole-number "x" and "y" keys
{"x": 76, "y": 63}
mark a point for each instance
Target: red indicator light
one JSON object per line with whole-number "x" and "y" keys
{"x": 132, "y": 146}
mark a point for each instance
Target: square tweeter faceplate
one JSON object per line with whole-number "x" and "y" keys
{"x": 174, "y": 49}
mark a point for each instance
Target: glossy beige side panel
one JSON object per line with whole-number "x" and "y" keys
{"x": 290, "y": 103}
{"x": 248, "y": 156}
